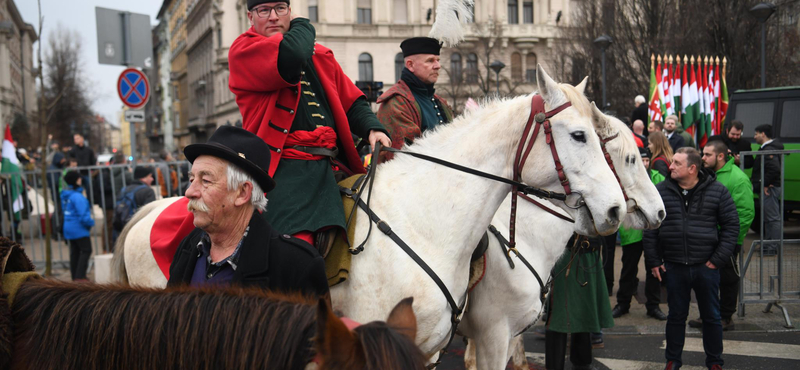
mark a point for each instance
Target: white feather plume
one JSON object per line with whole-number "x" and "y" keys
{"x": 450, "y": 14}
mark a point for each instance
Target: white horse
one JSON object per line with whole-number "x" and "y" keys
{"x": 442, "y": 213}
{"x": 507, "y": 300}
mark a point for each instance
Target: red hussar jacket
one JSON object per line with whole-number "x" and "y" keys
{"x": 268, "y": 103}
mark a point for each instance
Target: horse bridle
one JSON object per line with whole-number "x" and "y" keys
{"x": 542, "y": 120}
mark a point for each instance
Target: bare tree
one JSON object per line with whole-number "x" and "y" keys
{"x": 640, "y": 28}
{"x": 64, "y": 76}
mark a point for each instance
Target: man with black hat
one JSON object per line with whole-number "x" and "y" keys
{"x": 411, "y": 106}
{"x": 231, "y": 242}
{"x": 294, "y": 95}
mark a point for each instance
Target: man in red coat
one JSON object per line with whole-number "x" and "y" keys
{"x": 293, "y": 94}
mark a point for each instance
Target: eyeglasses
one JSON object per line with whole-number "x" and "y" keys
{"x": 265, "y": 11}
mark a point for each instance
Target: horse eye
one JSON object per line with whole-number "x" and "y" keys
{"x": 579, "y": 136}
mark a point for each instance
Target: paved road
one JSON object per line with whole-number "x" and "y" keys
{"x": 743, "y": 351}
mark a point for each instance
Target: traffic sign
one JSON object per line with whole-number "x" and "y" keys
{"x": 133, "y": 88}
{"x": 134, "y": 115}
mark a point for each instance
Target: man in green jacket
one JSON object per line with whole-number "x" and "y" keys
{"x": 411, "y": 106}
{"x": 632, "y": 248}
{"x": 715, "y": 157}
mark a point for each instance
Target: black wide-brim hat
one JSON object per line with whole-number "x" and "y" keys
{"x": 240, "y": 147}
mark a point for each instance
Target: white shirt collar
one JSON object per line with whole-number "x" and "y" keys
{"x": 767, "y": 142}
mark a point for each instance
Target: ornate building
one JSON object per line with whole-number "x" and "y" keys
{"x": 365, "y": 36}
{"x": 17, "y": 85}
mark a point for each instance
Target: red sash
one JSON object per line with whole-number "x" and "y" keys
{"x": 322, "y": 137}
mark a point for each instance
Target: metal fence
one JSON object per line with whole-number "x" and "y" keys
{"x": 102, "y": 186}
{"x": 767, "y": 279}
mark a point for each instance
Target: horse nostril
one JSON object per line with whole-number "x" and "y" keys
{"x": 613, "y": 214}
{"x": 661, "y": 215}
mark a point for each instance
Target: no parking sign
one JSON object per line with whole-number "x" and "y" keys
{"x": 133, "y": 88}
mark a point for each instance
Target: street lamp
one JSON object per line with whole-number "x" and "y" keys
{"x": 603, "y": 42}
{"x": 497, "y": 66}
{"x": 762, "y": 12}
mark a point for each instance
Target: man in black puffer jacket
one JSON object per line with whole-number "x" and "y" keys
{"x": 696, "y": 239}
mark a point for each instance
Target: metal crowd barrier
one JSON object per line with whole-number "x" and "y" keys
{"x": 777, "y": 279}
{"x": 29, "y": 231}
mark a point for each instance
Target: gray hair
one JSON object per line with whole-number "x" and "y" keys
{"x": 237, "y": 177}
{"x": 638, "y": 99}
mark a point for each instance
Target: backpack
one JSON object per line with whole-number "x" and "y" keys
{"x": 126, "y": 206}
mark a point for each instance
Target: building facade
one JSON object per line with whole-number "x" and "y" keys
{"x": 17, "y": 84}
{"x": 365, "y": 37}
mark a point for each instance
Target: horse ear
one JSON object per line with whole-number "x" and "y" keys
{"x": 582, "y": 86}
{"x": 548, "y": 88}
{"x": 600, "y": 120}
{"x": 335, "y": 343}
{"x": 403, "y": 320}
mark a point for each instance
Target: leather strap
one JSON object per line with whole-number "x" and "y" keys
{"x": 384, "y": 227}
{"x": 507, "y": 249}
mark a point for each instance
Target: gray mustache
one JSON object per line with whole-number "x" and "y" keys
{"x": 197, "y": 205}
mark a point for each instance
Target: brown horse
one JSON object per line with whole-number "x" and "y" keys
{"x": 60, "y": 325}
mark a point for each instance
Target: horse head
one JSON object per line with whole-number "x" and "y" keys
{"x": 644, "y": 206}
{"x": 596, "y": 202}
{"x": 376, "y": 345}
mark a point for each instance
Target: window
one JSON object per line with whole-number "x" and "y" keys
{"x": 400, "y": 12}
{"x": 472, "y": 68}
{"x": 365, "y": 67}
{"x": 530, "y": 68}
{"x": 472, "y": 10}
{"x": 399, "y": 64}
{"x": 527, "y": 12}
{"x": 516, "y": 67}
{"x": 754, "y": 114}
{"x": 789, "y": 126}
{"x": 313, "y": 11}
{"x": 455, "y": 67}
{"x": 364, "y": 12}
{"x": 513, "y": 12}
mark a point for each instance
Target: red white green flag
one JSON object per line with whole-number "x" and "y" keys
{"x": 10, "y": 165}
{"x": 676, "y": 87}
{"x": 689, "y": 99}
{"x": 654, "y": 102}
{"x": 723, "y": 99}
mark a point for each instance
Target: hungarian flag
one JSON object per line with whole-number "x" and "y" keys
{"x": 675, "y": 87}
{"x": 723, "y": 100}
{"x": 704, "y": 129}
{"x": 689, "y": 98}
{"x": 701, "y": 103}
{"x": 654, "y": 105}
{"x": 10, "y": 165}
{"x": 663, "y": 91}
{"x": 712, "y": 101}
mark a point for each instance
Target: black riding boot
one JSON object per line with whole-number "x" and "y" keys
{"x": 580, "y": 351}
{"x": 555, "y": 349}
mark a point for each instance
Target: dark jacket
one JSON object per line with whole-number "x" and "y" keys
{"x": 676, "y": 141}
{"x": 661, "y": 165}
{"x": 84, "y": 155}
{"x": 772, "y": 168}
{"x": 706, "y": 230}
{"x": 267, "y": 259}
{"x": 142, "y": 196}
{"x": 640, "y": 112}
{"x": 743, "y": 145}
{"x": 102, "y": 184}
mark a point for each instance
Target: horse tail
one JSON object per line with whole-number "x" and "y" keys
{"x": 119, "y": 273}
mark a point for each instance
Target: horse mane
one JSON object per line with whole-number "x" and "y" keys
{"x": 387, "y": 349}
{"x": 82, "y": 326}
{"x": 119, "y": 272}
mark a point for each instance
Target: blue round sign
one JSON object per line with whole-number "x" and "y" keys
{"x": 133, "y": 88}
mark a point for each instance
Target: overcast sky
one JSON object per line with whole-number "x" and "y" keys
{"x": 79, "y": 15}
